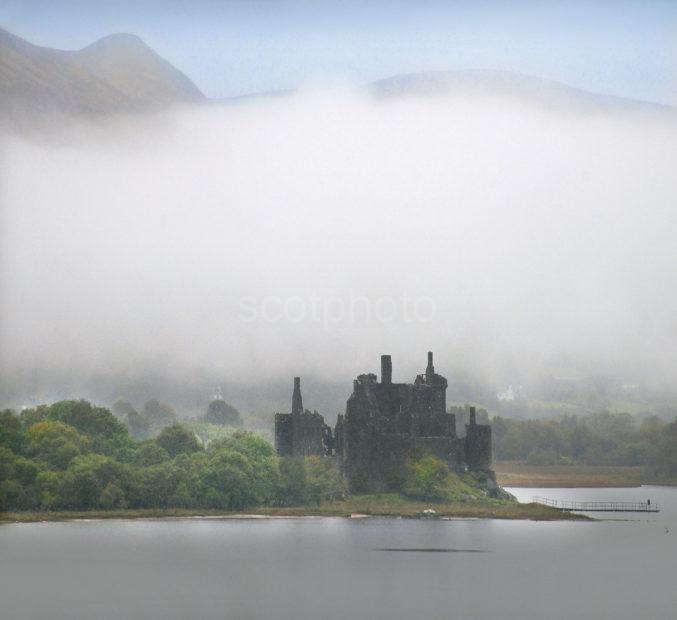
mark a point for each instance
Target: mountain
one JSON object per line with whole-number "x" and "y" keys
{"x": 116, "y": 74}
{"x": 548, "y": 93}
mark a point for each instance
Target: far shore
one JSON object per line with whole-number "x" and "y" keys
{"x": 515, "y": 474}
{"x": 386, "y": 505}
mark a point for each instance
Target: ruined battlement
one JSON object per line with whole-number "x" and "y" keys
{"x": 384, "y": 425}
{"x": 302, "y": 433}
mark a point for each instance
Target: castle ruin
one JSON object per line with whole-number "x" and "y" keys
{"x": 384, "y": 425}
{"x": 302, "y": 433}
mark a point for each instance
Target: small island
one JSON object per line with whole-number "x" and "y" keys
{"x": 395, "y": 453}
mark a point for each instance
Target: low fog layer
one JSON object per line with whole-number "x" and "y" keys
{"x": 166, "y": 249}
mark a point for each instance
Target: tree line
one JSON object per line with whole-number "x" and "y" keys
{"x": 597, "y": 439}
{"x": 154, "y": 416}
{"x": 75, "y": 456}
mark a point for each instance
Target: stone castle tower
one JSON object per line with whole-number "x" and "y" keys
{"x": 384, "y": 425}
{"x": 301, "y": 433}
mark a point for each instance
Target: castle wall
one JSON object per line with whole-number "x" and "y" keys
{"x": 308, "y": 434}
{"x": 478, "y": 448}
{"x": 301, "y": 433}
{"x": 384, "y": 426}
{"x": 387, "y": 423}
{"x": 284, "y": 434}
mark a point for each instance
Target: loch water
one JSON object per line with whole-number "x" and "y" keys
{"x": 624, "y": 567}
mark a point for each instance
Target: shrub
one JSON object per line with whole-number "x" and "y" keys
{"x": 427, "y": 478}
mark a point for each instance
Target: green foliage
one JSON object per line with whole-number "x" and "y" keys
{"x": 260, "y": 457}
{"x": 112, "y": 497}
{"x": 103, "y": 431}
{"x": 150, "y": 453}
{"x": 176, "y": 439}
{"x": 10, "y": 431}
{"x": 121, "y": 409}
{"x": 158, "y": 415}
{"x": 158, "y": 486}
{"x": 427, "y": 478}
{"x": 310, "y": 480}
{"x": 73, "y": 456}
{"x": 598, "y": 439}
{"x": 28, "y": 417}
{"x": 221, "y": 413}
{"x": 48, "y": 486}
{"x": 138, "y": 426}
{"x": 86, "y": 479}
{"x": 24, "y": 471}
{"x": 71, "y": 462}
{"x": 209, "y": 433}
{"x": 323, "y": 481}
{"x": 55, "y": 444}
{"x": 291, "y": 486}
{"x": 97, "y": 423}
{"x": 17, "y": 475}
{"x": 663, "y": 459}
{"x": 248, "y": 443}
{"x": 228, "y": 481}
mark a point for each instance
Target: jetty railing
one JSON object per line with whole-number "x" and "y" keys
{"x": 647, "y": 506}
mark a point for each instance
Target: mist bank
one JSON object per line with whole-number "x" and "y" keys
{"x": 305, "y": 235}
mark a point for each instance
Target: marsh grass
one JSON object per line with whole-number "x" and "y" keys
{"x": 384, "y": 505}
{"x": 515, "y": 474}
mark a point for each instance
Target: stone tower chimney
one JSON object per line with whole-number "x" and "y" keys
{"x": 386, "y": 369}
{"x": 296, "y": 400}
{"x": 430, "y": 369}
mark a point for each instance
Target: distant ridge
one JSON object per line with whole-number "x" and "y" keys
{"x": 116, "y": 74}
{"x": 506, "y": 83}
{"x": 120, "y": 74}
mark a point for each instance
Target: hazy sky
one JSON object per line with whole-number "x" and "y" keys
{"x": 259, "y": 241}
{"x": 306, "y": 235}
{"x": 616, "y": 47}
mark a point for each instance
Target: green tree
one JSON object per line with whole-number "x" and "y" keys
{"x": 221, "y": 413}
{"x": 150, "y": 453}
{"x": 87, "y": 477}
{"x": 323, "y": 481}
{"x": 260, "y": 456}
{"x": 121, "y": 409}
{"x": 291, "y": 489}
{"x": 158, "y": 415}
{"x": 48, "y": 484}
{"x": 112, "y": 497}
{"x": 28, "y": 417}
{"x": 10, "y": 431}
{"x": 176, "y": 439}
{"x": 227, "y": 481}
{"x": 159, "y": 486}
{"x": 97, "y": 423}
{"x": 17, "y": 475}
{"x": 138, "y": 426}
{"x": 55, "y": 444}
{"x": 663, "y": 459}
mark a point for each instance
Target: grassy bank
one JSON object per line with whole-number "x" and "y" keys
{"x": 512, "y": 474}
{"x": 385, "y": 505}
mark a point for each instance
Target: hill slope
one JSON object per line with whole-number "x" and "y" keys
{"x": 521, "y": 87}
{"x": 117, "y": 74}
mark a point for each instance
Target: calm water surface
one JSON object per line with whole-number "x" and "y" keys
{"x": 339, "y": 568}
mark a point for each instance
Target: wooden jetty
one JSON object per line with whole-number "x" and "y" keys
{"x": 647, "y": 506}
